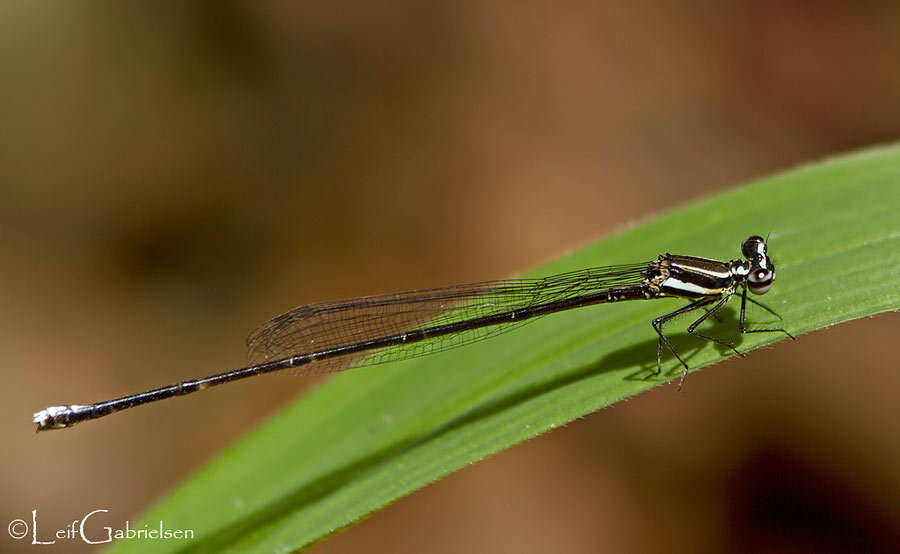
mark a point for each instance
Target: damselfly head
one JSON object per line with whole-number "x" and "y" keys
{"x": 762, "y": 272}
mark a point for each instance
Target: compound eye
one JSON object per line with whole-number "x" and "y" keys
{"x": 753, "y": 247}
{"x": 760, "y": 280}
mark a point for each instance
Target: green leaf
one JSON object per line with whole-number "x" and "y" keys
{"x": 373, "y": 435}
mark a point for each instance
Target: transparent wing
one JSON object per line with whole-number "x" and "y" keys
{"x": 326, "y": 325}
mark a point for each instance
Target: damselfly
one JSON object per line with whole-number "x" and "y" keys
{"x": 331, "y": 336}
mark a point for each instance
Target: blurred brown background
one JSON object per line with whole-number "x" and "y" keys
{"x": 174, "y": 174}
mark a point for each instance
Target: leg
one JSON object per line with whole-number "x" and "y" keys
{"x": 657, "y": 326}
{"x": 743, "y": 327}
{"x": 712, "y": 313}
{"x": 692, "y": 328}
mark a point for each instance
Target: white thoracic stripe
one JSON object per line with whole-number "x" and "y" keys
{"x": 674, "y": 283}
{"x": 711, "y": 272}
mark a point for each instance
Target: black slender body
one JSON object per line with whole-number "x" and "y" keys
{"x": 390, "y": 327}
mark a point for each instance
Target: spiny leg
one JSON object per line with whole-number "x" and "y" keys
{"x": 657, "y": 326}
{"x": 712, "y": 313}
{"x": 763, "y": 306}
{"x": 692, "y": 329}
{"x": 743, "y": 328}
